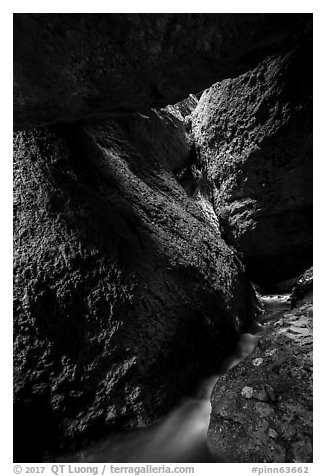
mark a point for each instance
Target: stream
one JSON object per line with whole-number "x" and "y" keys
{"x": 180, "y": 436}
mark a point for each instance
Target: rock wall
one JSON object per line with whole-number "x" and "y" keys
{"x": 125, "y": 295}
{"x": 253, "y": 137}
{"x": 69, "y": 67}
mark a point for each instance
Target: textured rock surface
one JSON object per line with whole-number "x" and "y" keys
{"x": 302, "y": 288}
{"x": 72, "y": 66}
{"x": 253, "y": 139}
{"x": 161, "y": 133}
{"x": 185, "y": 107}
{"x": 262, "y": 409}
{"x": 124, "y": 296}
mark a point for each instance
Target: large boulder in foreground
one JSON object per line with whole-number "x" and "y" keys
{"x": 262, "y": 409}
{"x": 69, "y": 67}
{"x": 253, "y": 138}
{"x": 125, "y": 295}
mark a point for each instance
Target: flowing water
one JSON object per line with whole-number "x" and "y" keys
{"x": 181, "y": 436}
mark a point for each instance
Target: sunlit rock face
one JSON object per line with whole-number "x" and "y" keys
{"x": 125, "y": 294}
{"x": 69, "y": 67}
{"x": 253, "y": 138}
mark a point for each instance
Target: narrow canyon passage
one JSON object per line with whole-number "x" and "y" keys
{"x": 181, "y": 436}
{"x": 162, "y": 187}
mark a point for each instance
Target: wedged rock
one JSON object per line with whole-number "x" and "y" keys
{"x": 69, "y": 67}
{"x": 125, "y": 295}
{"x": 262, "y": 409}
{"x": 253, "y": 138}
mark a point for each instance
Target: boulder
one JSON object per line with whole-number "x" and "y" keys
{"x": 69, "y": 67}
{"x": 125, "y": 295}
{"x": 262, "y": 409}
{"x": 253, "y": 139}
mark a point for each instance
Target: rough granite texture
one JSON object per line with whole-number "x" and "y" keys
{"x": 125, "y": 295}
{"x": 302, "y": 287}
{"x": 253, "y": 138}
{"x": 69, "y": 67}
{"x": 262, "y": 409}
{"x": 161, "y": 133}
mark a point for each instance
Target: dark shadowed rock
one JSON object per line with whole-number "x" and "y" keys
{"x": 125, "y": 295}
{"x": 69, "y": 67}
{"x": 262, "y": 409}
{"x": 253, "y": 138}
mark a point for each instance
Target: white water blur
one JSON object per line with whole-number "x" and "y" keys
{"x": 180, "y": 436}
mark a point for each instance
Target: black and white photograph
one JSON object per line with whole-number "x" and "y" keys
{"x": 162, "y": 240}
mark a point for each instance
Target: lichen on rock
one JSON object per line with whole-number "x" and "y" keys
{"x": 263, "y": 414}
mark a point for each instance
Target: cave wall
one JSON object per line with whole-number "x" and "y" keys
{"x": 125, "y": 295}
{"x": 253, "y": 139}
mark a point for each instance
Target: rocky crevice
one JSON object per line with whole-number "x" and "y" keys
{"x": 71, "y": 67}
{"x": 138, "y": 230}
{"x": 262, "y": 409}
